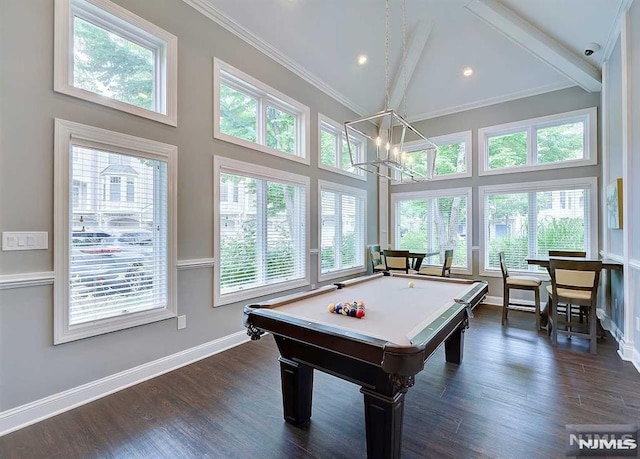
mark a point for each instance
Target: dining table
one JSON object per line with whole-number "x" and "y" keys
{"x": 416, "y": 258}
{"x": 608, "y": 265}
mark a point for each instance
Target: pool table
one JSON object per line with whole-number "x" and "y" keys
{"x": 382, "y": 352}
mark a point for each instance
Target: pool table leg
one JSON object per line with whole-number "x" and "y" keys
{"x": 383, "y": 419}
{"x": 297, "y": 388}
{"x": 454, "y": 345}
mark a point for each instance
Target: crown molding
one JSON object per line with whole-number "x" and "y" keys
{"x": 207, "y": 9}
{"x": 492, "y": 101}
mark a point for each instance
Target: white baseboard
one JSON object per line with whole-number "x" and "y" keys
{"x": 25, "y": 415}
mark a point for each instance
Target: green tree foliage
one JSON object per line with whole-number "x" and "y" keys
{"x": 107, "y": 64}
{"x": 238, "y": 114}
{"x": 327, "y": 148}
{"x": 560, "y": 143}
{"x": 508, "y": 150}
{"x": 281, "y": 130}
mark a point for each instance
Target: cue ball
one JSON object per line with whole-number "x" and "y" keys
{"x": 410, "y": 284}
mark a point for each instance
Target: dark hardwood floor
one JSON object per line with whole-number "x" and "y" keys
{"x": 510, "y": 398}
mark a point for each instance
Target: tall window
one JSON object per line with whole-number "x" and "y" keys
{"x": 342, "y": 230}
{"x": 434, "y": 221}
{"x": 564, "y": 140}
{"x": 263, "y": 237}
{"x": 334, "y": 153}
{"x": 254, "y": 115}
{"x": 103, "y": 284}
{"x": 528, "y": 220}
{"x": 110, "y": 56}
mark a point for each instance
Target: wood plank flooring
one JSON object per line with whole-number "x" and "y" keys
{"x": 510, "y": 398}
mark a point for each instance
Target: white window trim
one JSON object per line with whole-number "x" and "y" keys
{"x": 324, "y": 185}
{"x": 549, "y": 185}
{"x": 232, "y": 166}
{"x": 588, "y": 115}
{"x": 448, "y": 139}
{"x": 66, "y": 134}
{"x": 361, "y": 174}
{"x": 276, "y": 98}
{"x": 63, "y": 61}
{"x": 440, "y": 193}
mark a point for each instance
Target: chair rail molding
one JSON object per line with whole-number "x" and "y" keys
{"x": 26, "y": 279}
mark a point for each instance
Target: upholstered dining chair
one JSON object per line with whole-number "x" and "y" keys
{"x": 397, "y": 260}
{"x": 444, "y": 270}
{"x": 574, "y": 282}
{"x": 377, "y": 264}
{"x": 509, "y": 283}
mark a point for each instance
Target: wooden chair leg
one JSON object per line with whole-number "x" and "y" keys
{"x": 505, "y": 304}
{"x": 553, "y": 323}
{"x": 536, "y": 293}
{"x": 593, "y": 331}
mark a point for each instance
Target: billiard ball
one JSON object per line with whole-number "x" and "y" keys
{"x": 410, "y": 284}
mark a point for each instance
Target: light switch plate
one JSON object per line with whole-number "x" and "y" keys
{"x": 182, "y": 322}
{"x": 25, "y": 240}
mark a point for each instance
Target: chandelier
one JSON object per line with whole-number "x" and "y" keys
{"x": 403, "y": 154}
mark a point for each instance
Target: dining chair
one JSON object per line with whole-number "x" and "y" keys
{"x": 377, "y": 264}
{"x": 397, "y": 260}
{"x": 442, "y": 271}
{"x": 574, "y": 282}
{"x": 509, "y": 283}
{"x": 570, "y": 254}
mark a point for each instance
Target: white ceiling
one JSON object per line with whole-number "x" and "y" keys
{"x": 321, "y": 40}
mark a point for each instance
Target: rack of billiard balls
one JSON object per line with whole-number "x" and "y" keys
{"x": 351, "y": 309}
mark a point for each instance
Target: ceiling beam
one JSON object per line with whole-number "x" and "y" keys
{"x": 415, "y": 46}
{"x": 537, "y": 43}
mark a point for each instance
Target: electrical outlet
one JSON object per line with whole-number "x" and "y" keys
{"x": 313, "y": 286}
{"x": 182, "y": 322}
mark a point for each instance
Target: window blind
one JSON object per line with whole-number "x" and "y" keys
{"x": 341, "y": 230}
{"x": 433, "y": 224}
{"x": 262, "y": 233}
{"x": 530, "y": 224}
{"x": 118, "y": 238}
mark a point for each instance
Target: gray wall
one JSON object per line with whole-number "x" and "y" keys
{"x": 30, "y": 366}
{"x": 521, "y": 109}
{"x": 613, "y": 93}
{"x": 634, "y": 167}
{"x": 614, "y": 144}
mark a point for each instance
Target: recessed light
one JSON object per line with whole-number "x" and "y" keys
{"x": 362, "y": 59}
{"x": 467, "y": 71}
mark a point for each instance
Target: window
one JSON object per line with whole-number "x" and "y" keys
{"x": 103, "y": 282}
{"x": 107, "y": 55}
{"x": 261, "y": 240}
{"x": 342, "y": 230}
{"x": 333, "y": 150}
{"x": 247, "y": 112}
{"x": 434, "y": 221}
{"x": 564, "y": 140}
{"x": 453, "y": 159}
{"x": 528, "y": 220}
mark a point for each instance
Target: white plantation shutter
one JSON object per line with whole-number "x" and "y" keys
{"x": 434, "y": 224}
{"x": 342, "y": 229}
{"x": 117, "y": 235}
{"x": 529, "y": 224}
{"x": 262, "y": 234}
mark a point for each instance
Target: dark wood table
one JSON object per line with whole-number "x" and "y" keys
{"x": 417, "y": 258}
{"x": 382, "y": 352}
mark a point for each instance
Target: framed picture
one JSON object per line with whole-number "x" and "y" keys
{"x": 614, "y": 204}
